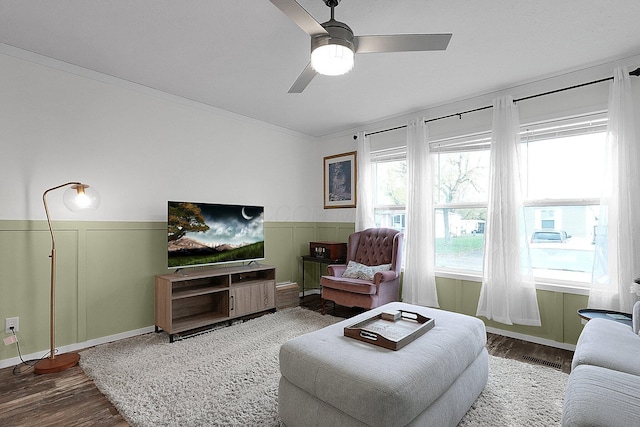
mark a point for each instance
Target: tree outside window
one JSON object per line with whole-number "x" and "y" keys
{"x": 562, "y": 166}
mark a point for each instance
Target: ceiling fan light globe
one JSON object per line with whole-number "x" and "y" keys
{"x": 332, "y": 59}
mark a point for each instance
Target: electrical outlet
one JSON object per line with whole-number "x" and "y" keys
{"x": 10, "y": 322}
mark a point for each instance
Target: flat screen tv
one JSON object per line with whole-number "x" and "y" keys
{"x": 206, "y": 234}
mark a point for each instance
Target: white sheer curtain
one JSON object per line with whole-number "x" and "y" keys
{"x": 364, "y": 197}
{"x": 617, "y": 259}
{"x": 508, "y": 293}
{"x": 419, "y": 282}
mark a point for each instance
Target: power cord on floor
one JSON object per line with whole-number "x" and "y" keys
{"x": 24, "y": 366}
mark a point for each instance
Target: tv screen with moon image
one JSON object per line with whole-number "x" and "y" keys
{"x": 208, "y": 233}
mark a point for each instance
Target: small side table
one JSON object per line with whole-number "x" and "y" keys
{"x": 616, "y": 316}
{"x": 318, "y": 260}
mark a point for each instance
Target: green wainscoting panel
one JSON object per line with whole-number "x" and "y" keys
{"x": 287, "y": 242}
{"x": 122, "y": 260}
{"x": 458, "y": 295}
{"x": 448, "y": 293}
{"x": 105, "y": 274}
{"x": 106, "y": 269}
{"x": 469, "y": 296}
{"x": 68, "y": 257}
{"x": 304, "y": 233}
{"x": 25, "y": 283}
{"x": 548, "y": 318}
{"x": 559, "y": 321}
{"x": 334, "y": 232}
{"x": 572, "y": 322}
{"x": 279, "y": 250}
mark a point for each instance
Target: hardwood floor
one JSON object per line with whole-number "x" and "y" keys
{"x": 528, "y": 352}
{"x": 66, "y": 398}
{"x": 70, "y": 398}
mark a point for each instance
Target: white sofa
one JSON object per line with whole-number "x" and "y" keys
{"x": 604, "y": 385}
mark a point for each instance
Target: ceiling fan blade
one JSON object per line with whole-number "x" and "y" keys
{"x": 303, "y": 79}
{"x": 402, "y": 43}
{"x": 300, "y": 16}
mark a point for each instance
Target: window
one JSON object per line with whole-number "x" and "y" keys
{"x": 562, "y": 170}
{"x": 460, "y": 201}
{"x": 563, "y": 164}
{"x": 389, "y": 170}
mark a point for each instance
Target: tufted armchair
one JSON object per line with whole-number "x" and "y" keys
{"x": 371, "y": 275}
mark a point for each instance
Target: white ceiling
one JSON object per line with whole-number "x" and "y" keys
{"x": 243, "y": 55}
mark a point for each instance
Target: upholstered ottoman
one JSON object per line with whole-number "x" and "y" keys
{"x": 332, "y": 380}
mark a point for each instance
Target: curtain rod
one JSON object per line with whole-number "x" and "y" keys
{"x": 635, "y": 72}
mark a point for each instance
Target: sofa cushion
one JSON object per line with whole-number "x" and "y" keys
{"x": 608, "y": 344}
{"x": 597, "y": 396}
{"x": 355, "y": 270}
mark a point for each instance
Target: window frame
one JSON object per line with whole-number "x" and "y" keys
{"x": 591, "y": 122}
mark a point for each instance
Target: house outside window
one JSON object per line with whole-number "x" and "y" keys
{"x": 562, "y": 170}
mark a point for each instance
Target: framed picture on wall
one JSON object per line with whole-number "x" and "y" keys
{"x": 340, "y": 181}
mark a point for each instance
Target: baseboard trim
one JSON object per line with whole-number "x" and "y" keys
{"x": 103, "y": 340}
{"x": 533, "y": 339}
{"x": 315, "y": 291}
{"x": 76, "y": 347}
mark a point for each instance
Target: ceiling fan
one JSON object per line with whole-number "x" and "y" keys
{"x": 333, "y": 44}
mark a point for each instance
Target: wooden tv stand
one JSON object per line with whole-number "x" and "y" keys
{"x": 199, "y": 298}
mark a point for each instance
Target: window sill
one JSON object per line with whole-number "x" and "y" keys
{"x": 562, "y": 288}
{"x": 541, "y": 284}
{"x": 460, "y": 275}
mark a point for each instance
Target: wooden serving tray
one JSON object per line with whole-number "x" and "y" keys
{"x": 389, "y": 333}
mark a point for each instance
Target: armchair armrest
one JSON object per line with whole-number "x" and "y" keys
{"x": 336, "y": 270}
{"x": 384, "y": 276}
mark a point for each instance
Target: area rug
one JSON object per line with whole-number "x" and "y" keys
{"x": 229, "y": 377}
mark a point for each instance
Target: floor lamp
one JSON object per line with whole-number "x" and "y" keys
{"x": 78, "y": 197}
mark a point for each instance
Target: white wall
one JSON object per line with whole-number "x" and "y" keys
{"x": 139, "y": 148}
{"x": 332, "y": 147}
{"x": 567, "y": 103}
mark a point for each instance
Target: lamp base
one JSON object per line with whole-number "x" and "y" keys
{"x": 61, "y": 363}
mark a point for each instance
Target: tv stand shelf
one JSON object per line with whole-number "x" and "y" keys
{"x": 194, "y": 322}
{"x": 188, "y": 301}
{"x": 178, "y": 294}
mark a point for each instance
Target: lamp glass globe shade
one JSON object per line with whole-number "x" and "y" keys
{"x": 80, "y": 198}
